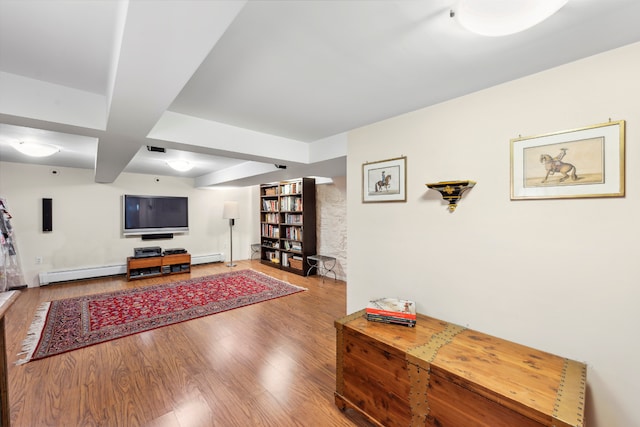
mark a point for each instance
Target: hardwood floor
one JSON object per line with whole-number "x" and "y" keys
{"x": 268, "y": 364}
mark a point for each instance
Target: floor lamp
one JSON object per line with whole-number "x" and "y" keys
{"x": 230, "y": 212}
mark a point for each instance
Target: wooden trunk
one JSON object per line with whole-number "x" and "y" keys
{"x": 444, "y": 375}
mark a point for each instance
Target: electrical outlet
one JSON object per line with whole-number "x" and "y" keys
{"x": 38, "y": 260}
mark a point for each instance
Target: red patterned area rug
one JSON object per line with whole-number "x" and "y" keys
{"x": 69, "y": 324}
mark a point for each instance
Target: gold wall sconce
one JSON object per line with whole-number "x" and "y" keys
{"x": 452, "y": 191}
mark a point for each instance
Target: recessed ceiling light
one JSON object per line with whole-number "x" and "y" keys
{"x": 35, "y": 149}
{"x": 503, "y": 17}
{"x": 180, "y": 165}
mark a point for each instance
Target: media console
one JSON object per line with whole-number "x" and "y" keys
{"x": 140, "y": 268}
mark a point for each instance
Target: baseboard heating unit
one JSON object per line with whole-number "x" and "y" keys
{"x": 48, "y": 277}
{"x": 206, "y": 259}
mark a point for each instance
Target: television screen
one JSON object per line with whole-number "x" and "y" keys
{"x": 155, "y": 214}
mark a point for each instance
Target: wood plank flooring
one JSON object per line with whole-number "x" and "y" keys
{"x": 268, "y": 364}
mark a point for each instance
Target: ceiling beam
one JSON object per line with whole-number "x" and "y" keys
{"x": 162, "y": 45}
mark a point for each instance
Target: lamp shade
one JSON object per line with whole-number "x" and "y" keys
{"x": 230, "y": 210}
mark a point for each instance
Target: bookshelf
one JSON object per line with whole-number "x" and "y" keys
{"x": 288, "y": 224}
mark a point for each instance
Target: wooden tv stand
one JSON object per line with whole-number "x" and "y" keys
{"x": 141, "y": 268}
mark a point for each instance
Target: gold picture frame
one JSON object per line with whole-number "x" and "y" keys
{"x": 385, "y": 181}
{"x": 577, "y": 163}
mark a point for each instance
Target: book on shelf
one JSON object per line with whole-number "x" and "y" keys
{"x": 295, "y": 219}
{"x": 273, "y": 218}
{"x": 291, "y": 203}
{"x": 270, "y": 205}
{"x": 291, "y": 188}
{"x": 392, "y": 307}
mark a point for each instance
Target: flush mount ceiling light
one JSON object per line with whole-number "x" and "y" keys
{"x": 180, "y": 165}
{"x": 496, "y": 18}
{"x": 35, "y": 149}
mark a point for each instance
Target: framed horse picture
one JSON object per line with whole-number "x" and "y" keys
{"x": 385, "y": 181}
{"x": 585, "y": 162}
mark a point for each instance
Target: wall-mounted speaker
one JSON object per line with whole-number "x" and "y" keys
{"x": 47, "y": 214}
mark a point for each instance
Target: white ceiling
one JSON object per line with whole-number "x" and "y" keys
{"x": 237, "y": 87}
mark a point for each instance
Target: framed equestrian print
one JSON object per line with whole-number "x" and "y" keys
{"x": 585, "y": 162}
{"x": 385, "y": 181}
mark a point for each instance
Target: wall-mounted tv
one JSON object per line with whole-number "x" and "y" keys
{"x": 142, "y": 215}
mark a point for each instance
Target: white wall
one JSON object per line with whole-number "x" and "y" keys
{"x": 87, "y": 217}
{"x": 331, "y": 219}
{"x": 558, "y": 275}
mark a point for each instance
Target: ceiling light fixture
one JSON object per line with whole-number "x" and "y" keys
{"x": 35, "y": 149}
{"x": 496, "y": 18}
{"x": 180, "y": 165}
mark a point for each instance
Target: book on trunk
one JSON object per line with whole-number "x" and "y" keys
{"x": 391, "y": 310}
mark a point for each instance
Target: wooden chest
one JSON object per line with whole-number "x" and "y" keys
{"x": 444, "y": 375}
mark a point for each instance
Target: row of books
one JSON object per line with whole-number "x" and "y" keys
{"x": 270, "y": 205}
{"x": 392, "y": 310}
{"x": 291, "y": 204}
{"x": 292, "y": 218}
{"x": 291, "y": 188}
{"x": 292, "y": 246}
{"x": 274, "y": 218}
{"x": 269, "y": 230}
{"x": 293, "y": 233}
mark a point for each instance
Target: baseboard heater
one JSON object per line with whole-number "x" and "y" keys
{"x": 48, "y": 277}
{"x": 206, "y": 259}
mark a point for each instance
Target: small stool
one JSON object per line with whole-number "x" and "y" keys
{"x": 255, "y": 250}
{"x": 323, "y": 264}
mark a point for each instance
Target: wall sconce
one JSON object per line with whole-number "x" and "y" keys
{"x": 452, "y": 191}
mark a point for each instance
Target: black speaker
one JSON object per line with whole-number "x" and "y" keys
{"x": 47, "y": 214}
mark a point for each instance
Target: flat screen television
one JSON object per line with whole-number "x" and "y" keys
{"x": 142, "y": 215}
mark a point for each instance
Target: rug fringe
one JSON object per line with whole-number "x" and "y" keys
{"x": 34, "y": 333}
{"x": 290, "y": 284}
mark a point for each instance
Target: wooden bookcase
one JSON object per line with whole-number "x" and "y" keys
{"x": 288, "y": 224}
{"x": 140, "y": 268}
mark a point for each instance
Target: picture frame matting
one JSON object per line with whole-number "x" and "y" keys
{"x": 577, "y": 163}
{"x": 385, "y": 181}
